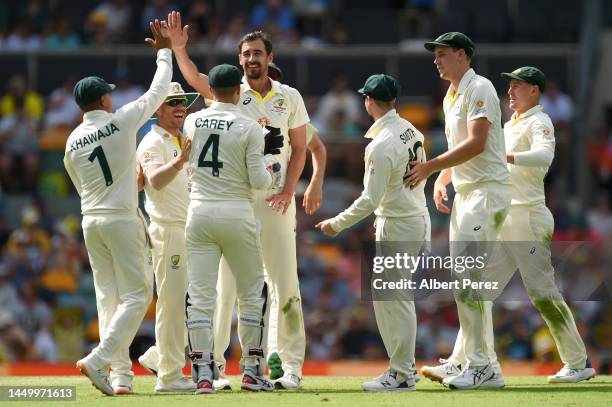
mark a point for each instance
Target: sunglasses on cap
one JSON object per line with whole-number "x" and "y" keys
{"x": 176, "y": 102}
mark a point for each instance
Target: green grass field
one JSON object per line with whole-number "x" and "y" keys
{"x": 520, "y": 391}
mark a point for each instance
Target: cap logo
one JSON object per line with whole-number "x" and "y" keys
{"x": 517, "y": 71}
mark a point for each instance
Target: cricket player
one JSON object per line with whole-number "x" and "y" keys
{"x": 280, "y": 109}
{"x": 226, "y": 284}
{"x": 476, "y": 164}
{"x": 227, "y": 161}
{"x": 100, "y": 159}
{"x": 162, "y": 154}
{"x": 528, "y": 229}
{"x": 401, "y": 216}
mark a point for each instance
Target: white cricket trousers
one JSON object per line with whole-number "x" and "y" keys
{"x": 479, "y": 211}
{"x": 525, "y": 237}
{"x": 286, "y": 334}
{"x": 396, "y": 319}
{"x": 228, "y": 229}
{"x": 169, "y": 257}
{"x": 116, "y": 245}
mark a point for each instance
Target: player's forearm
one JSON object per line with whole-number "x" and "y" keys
{"x": 163, "y": 175}
{"x": 319, "y": 162}
{"x": 464, "y": 151}
{"x": 190, "y": 72}
{"x": 360, "y": 209}
{"x": 537, "y": 157}
{"x": 445, "y": 177}
{"x": 295, "y": 168}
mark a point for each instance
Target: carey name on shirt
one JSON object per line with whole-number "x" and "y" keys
{"x": 91, "y": 138}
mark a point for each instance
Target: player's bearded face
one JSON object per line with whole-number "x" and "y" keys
{"x": 254, "y": 59}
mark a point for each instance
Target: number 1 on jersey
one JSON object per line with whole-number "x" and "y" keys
{"x": 98, "y": 153}
{"x": 213, "y": 140}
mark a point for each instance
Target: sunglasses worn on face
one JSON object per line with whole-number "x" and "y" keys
{"x": 176, "y": 102}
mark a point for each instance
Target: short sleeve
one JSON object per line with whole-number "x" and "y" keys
{"x": 298, "y": 116}
{"x": 150, "y": 153}
{"x": 482, "y": 101}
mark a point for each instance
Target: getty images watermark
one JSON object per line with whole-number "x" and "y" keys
{"x": 477, "y": 271}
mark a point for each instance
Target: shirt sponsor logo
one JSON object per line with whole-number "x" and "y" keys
{"x": 263, "y": 121}
{"x": 247, "y": 101}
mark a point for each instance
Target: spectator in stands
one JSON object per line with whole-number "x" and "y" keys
{"x": 557, "y": 105}
{"x": 8, "y": 293}
{"x": 235, "y": 30}
{"x": 19, "y": 159}
{"x": 276, "y": 19}
{"x": 155, "y": 9}
{"x": 125, "y": 92}
{"x": 339, "y": 126}
{"x": 599, "y": 216}
{"x": 22, "y": 38}
{"x": 31, "y": 236}
{"x": 112, "y": 18}
{"x": 69, "y": 334}
{"x": 340, "y": 98}
{"x": 201, "y": 19}
{"x": 416, "y": 19}
{"x": 32, "y": 314}
{"x": 63, "y": 110}
{"x": 14, "y": 342}
{"x": 62, "y": 36}
{"x": 44, "y": 347}
{"x": 19, "y": 97}
{"x": 36, "y": 11}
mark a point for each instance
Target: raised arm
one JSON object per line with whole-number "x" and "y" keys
{"x": 179, "y": 35}
{"x": 139, "y": 111}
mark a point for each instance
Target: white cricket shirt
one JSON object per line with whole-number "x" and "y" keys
{"x": 531, "y": 138}
{"x": 281, "y": 110}
{"x": 100, "y": 155}
{"x": 475, "y": 98}
{"x": 226, "y": 158}
{"x": 169, "y": 204}
{"x": 395, "y": 142}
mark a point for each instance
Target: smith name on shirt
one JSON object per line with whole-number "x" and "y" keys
{"x": 98, "y": 135}
{"x": 213, "y": 124}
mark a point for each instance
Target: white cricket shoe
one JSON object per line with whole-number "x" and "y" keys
{"x": 568, "y": 375}
{"x": 497, "y": 382}
{"x": 121, "y": 384}
{"x": 388, "y": 381}
{"x": 150, "y": 360}
{"x": 252, "y": 382}
{"x": 99, "y": 378}
{"x": 204, "y": 386}
{"x": 180, "y": 385}
{"x": 470, "y": 378}
{"x": 289, "y": 381}
{"x": 222, "y": 383}
{"x": 441, "y": 372}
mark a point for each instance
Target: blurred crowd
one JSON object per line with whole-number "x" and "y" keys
{"x": 69, "y": 24}
{"x": 47, "y": 307}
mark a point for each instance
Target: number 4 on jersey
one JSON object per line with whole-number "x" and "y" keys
{"x": 213, "y": 140}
